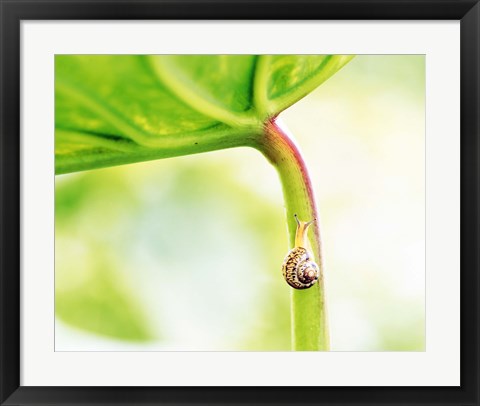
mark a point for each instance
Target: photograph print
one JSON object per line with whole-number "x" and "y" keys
{"x": 239, "y": 202}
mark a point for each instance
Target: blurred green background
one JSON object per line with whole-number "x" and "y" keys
{"x": 185, "y": 253}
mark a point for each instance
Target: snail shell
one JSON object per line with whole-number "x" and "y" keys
{"x": 298, "y": 269}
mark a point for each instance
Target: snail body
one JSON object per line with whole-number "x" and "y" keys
{"x": 299, "y": 269}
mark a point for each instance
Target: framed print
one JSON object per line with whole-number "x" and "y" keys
{"x": 239, "y": 203}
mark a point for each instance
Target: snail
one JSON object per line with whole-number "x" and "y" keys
{"x": 299, "y": 270}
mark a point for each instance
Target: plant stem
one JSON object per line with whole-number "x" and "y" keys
{"x": 308, "y": 307}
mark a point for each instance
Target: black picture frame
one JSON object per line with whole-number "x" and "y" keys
{"x": 14, "y": 11}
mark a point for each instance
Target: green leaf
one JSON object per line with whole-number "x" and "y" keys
{"x": 118, "y": 109}
{"x": 285, "y": 79}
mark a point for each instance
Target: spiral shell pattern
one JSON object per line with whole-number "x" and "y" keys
{"x": 298, "y": 270}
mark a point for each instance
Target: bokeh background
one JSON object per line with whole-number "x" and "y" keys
{"x": 185, "y": 253}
